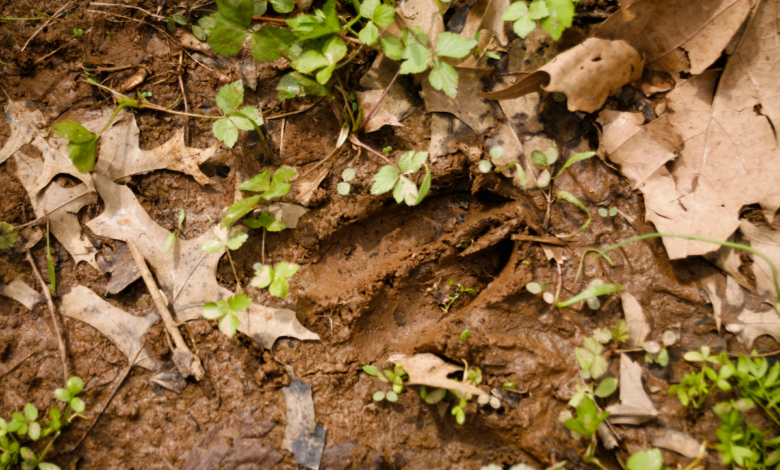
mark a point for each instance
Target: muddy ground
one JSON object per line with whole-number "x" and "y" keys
{"x": 373, "y": 277}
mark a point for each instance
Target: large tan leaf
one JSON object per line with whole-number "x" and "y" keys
{"x": 121, "y": 155}
{"x": 265, "y": 325}
{"x": 635, "y": 407}
{"x": 186, "y": 273}
{"x": 19, "y": 291}
{"x": 25, "y": 124}
{"x": 730, "y": 157}
{"x": 427, "y": 369}
{"x": 751, "y": 325}
{"x": 468, "y": 105}
{"x": 586, "y": 74}
{"x": 767, "y": 242}
{"x": 675, "y": 35}
{"x": 121, "y": 328}
{"x": 396, "y": 105}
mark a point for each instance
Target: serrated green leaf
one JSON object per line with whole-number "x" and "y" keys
{"x": 584, "y": 358}
{"x": 444, "y": 77}
{"x": 560, "y": 17}
{"x": 264, "y": 275}
{"x": 270, "y": 43}
{"x": 398, "y": 192}
{"x": 369, "y": 35}
{"x": 279, "y": 287}
{"x": 408, "y": 38}
{"x": 417, "y": 59}
{"x": 285, "y": 270}
{"x": 294, "y": 84}
{"x": 237, "y": 240}
{"x": 73, "y": 131}
{"x": 225, "y": 131}
{"x": 230, "y": 96}
{"x": 384, "y": 180}
{"x": 226, "y": 37}
{"x": 367, "y": 8}
{"x": 393, "y": 48}
{"x": 515, "y": 11}
{"x": 258, "y": 184}
{"x": 538, "y": 9}
{"x": 524, "y": 26}
{"x": 267, "y": 221}
{"x": 239, "y": 302}
{"x": 310, "y": 61}
{"x": 229, "y": 325}
{"x": 310, "y": 26}
{"x": 334, "y": 50}
{"x": 237, "y": 11}
{"x": 283, "y": 6}
{"x": 8, "y": 236}
{"x": 384, "y": 15}
{"x": 452, "y": 45}
{"x": 411, "y": 161}
{"x": 245, "y": 124}
{"x": 239, "y": 209}
{"x": 599, "y": 367}
{"x": 408, "y": 190}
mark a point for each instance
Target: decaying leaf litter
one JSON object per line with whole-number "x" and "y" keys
{"x": 676, "y": 99}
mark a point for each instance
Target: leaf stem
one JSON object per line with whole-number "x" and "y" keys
{"x": 376, "y": 106}
{"x": 239, "y": 290}
{"x": 356, "y": 141}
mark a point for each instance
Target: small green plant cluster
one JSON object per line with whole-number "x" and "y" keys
{"x": 593, "y": 364}
{"x": 276, "y": 278}
{"x": 25, "y": 425}
{"x": 590, "y": 295}
{"x": 742, "y": 444}
{"x": 586, "y": 424}
{"x": 454, "y": 296}
{"x": 390, "y": 178}
{"x": 175, "y": 19}
{"x": 248, "y": 118}
{"x": 555, "y": 16}
{"x": 611, "y": 212}
{"x": 656, "y": 352}
{"x": 225, "y": 311}
{"x": 176, "y": 233}
{"x": 346, "y": 176}
{"x": 8, "y": 236}
{"x": 394, "y": 377}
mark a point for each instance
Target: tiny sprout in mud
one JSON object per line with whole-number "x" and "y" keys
{"x": 276, "y": 278}
{"x": 694, "y": 387}
{"x": 657, "y": 353}
{"x": 224, "y": 239}
{"x": 389, "y": 178}
{"x": 225, "y": 311}
{"x": 484, "y": 400}
{"x": 465, "y": 335}
{"x": 8, "y": 236}
{"x": 589, "y": 357}
{"x": 596, "y": 289}
{"x": 588, "y": 418}
{"x": 620, "y": 332}
{"x": 78, "y": 32}
{"x": 497, "y": 152}
{"x": 395, "y": 377}
{"x": 544, "y": 160}
{"x": 176, "y": 233}
{"x": 459, "y": 291}
{"x": 25, "y": 425}
{"x": 387, "y": 149}
{"x": 612, "y": 212}
{"x": 344, "y": 187}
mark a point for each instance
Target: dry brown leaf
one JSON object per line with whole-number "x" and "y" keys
{"x": 427, "y": 369}
{"x": 448, "y": 134}
{"x": 396, "y": 105}
{"x": 186, "y": 273}
{"x": 467, "y": 106}
{"x": 302, "y": 436}
{"x": 586, "y": 74}
{"x": 635, "y": 407}
{"x": 486, "y": 15}
{"x": 680, "y": 442}
{"x": 730, "y": 158}
{"x": 289, "y": 214}
{"x": 677, "y": 36}
{"x": 638, "y": 326}
{"x": 25, "y": 124}
{"x": 121, "y": 328}
{"x": 752, "y": 324}
{"x": 265, "y": 325}
{"x": 767, "y": 242}
{"x": 305, "y": 189}
{"x": 19, "y": 291}
{"x": 121, "y": 156}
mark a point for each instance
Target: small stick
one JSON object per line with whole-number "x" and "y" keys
{"x": 186, "y": 362}
{"x": 305, "y": 108}
{"x": 184, "y": 98}
{"x": 532, "y": 238}
{"x": 52, "y": 311}
{"x": 57, "y": 13}
{"x": 121, "y": 381}
{"x": 127, "y": 6}
{"x": 356, "y": 141}
{"x": 269, "y": 19}
{"x": 376, "y": 106}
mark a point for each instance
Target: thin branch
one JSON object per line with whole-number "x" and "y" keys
{"x": 376, "y": 106}
{"x": 356, "y": 141}
{"x": 305, "y": 108}
{"x": 52, "y": 311}
{"x": 127, "y": 6}
{"x": 56, "y": 14}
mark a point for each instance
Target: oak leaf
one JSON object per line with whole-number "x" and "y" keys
{"x": 429, "y": 370}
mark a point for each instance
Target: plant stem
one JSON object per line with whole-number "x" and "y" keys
{"x": 356, "y": 141}
{"x": 233, "y": 266}
{"x": 269, "y": 19}
{"x": 376, "y": 106}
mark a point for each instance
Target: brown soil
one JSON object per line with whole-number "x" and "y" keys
{"x": 374, "y": 275}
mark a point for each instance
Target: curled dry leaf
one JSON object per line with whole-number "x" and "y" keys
{"x": 677, "y": 36}
{"x": 186, "y": 273}
{"x": 638, "y": 326}
{"x": 635, "y": 407}
{"x": 586, "y": 74}
{"x": 303, "y": 436}
{"x": 19, "y": 291}
{"x": 427, "y": 369}
{"x": 121, "y": 155}
{"x": 751, "y": 325}
{"x": 121, "y": 328}
{"x": 680, "y": 442}
{"x": 486, "y": 15}
{"x": 287, "y": 213}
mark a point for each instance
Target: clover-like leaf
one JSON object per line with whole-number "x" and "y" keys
{"x": 259, "y": 183}
{"x": 248, "y": 119}
{"x": 267, "y": 221}
{"x": 392, "y": 48}
{"x": 229, "y": 325}
{"x": 264, "y": 276}
{"x": 411, "y": 161}
{"x": 452, "y": 45}
{"x": 239, "y": 209}
{"x": 230, "y": 96}
{"x": 417, "y": 59}
{"x": 215, "y": 310}
{"x": 561, "y": 15}
{"x": 384, "y": 180}
{"x": 369, "y": 35}
{"x": 225, "y": 131}
{"x": 384, "y": 15}
{"x": 225, "y": 36}
{"x": 405, "y": 190}
{"x": 444, "y": 77}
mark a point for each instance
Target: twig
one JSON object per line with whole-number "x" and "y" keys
{"x": 127, "y": 6}
{"x": 49, "y": 54}
{"x": 332, "y": 154}
{"x": 376, "y": 106}
{"x": 119, "y": 384}
{"x": 57, "y": 13}
{"x": 269, "y": 19}
{"x": 185, "y": 361}
{"x": 52, "y": 311}
{"x": 356, "y": 141}
{"x": 184, "y": 98}
{"x": 306, "y": 108}
{"x": 533, "y": 238}
{"x": 18, "y": 363}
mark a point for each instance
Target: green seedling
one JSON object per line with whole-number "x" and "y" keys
{"x": 566, "y": 196}
{"x": 176, "y": 233}
{"x": 276, "y": 278}
{"x": 620, "y": 332}
{"x": 544, "y": 160}
{"x": 225, "y": 311}
{"x": 78, "y": 32}
{"x": 695, "y": 387}
{"x": 484, "y": 400}
{"x": 110, "y": 33}
{"x": 144, "y": 95}
{"x": 270, "y": 188}
{"x": 387, "y": 149}
{"x": 224, "y": 239}
{"x": 459, "y": 291}
{"x": 645, "y": 460}
{"x": 248, "y": 118}
{"x": 25, "y": 425}
{"x": 173, "y": 20}
{"x": 347, "y": 176}
{"x": 432, "y": 397}
{"x": 612, "y": 212}
{"x": 390, "y": 178}
{"x": 465, "y": 335}
{"x": 595, "y": 289}
{"x": 265, "y": 221}
{"x": 588, "y": 418}
{"x": 658, "y": 353}
{"x": 589, "y": 357}
{"x": 495, "y": 153}
{"x": 742, "y": 444}
{"x": 396, "y": 377}
{"x": 474, "y": 376}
